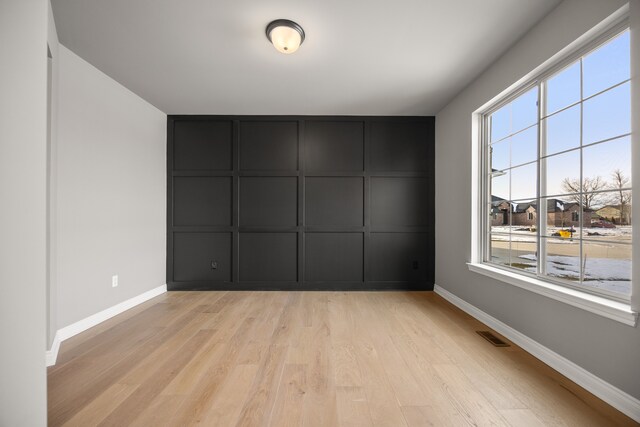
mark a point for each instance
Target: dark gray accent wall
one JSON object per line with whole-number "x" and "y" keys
{"x": 309, "y": 203}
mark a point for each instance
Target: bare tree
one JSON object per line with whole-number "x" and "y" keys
{"x": 622, "y": 197}
{"x": 589, "y": 185}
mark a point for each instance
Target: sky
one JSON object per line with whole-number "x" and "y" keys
{"x": 605, "y": 116}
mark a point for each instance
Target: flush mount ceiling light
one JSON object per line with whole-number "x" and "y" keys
{"x": 286, "y": 35}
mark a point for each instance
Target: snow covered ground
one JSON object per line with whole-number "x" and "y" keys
{"x": 602, "y": 273}
{"x": 606, "y": 263}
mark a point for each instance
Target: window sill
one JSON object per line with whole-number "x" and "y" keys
{"x": 614, "y": 310}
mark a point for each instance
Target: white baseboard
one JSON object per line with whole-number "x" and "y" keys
{"x": 615, "y": 397}
{"x": 52, "y": 354}
{"x": 93, "y": 320}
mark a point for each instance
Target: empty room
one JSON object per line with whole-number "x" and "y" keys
{"x": 319, "y": 213}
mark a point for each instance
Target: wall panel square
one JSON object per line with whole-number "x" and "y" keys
{"x": 268, "y": 257}
{"x": 334, "y": 257}
{"x": 400, "y": 146}
{"x": 400, "y": 201}
{"x": 334, "y": 146}
{"x": 202, "y": 145}
{"x": 400, "y": 257}
{"x": 268, "y": 201}
{"x": 268, "y": 145}
{"x": 202, "y": 201}
{"x": 334, "y": 201}
{"x": 194, "y": 253}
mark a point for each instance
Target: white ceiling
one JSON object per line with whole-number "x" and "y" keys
{"x": 360, "y": 57}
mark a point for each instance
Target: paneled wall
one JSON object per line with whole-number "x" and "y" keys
{"x": 310, "y": 203}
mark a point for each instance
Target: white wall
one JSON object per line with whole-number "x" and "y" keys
{"x": 52, "y": 312}
{"x": 111, "y": 192}
{"x": 23, "y": 150}
{"x": 604, "y": 347}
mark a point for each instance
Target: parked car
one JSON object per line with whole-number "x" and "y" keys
{"x": 602, "y": 224}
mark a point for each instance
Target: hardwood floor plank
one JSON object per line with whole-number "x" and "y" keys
{"x": 319, "y": 405}
{"x": 102, "y": 406}
{"x": 73, "y": 345}
{"x": 225, "y": 409}
{"x": 384, "y": 408}
{"x": 159, "y": 412}
{"x": 388, "y": 359}
{"x": 230, "y": 319}
{"x": 110, "y": 341}
{"x": 287, "y": 410}
{"x": 259, "y": 404}
{"x": 147, "y": 367}
{"x": 209, "y": 383}
{"x": 131, "y": 408}
{"x": 469, "y": 401}
{"x": 445, "y": 350}
{"x": 406, "y": 388}
{"x": 429, "y": 416}
{"x": 158, "y": 311}
{"x": 221, "y": 362}
{"x": 261, "y": 399}
{"x": 101, "y": 371}
{"x": 346, "y": 370}
{"x": 353, "y": 408}
{"x": 521, "y": 418}
{"x": 433, "y": 386}
{"x": 73, "y": 395}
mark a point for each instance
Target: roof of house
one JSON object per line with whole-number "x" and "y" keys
{"x": 553, "y": 205}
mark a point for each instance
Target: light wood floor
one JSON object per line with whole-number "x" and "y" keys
{"x": 313, "y": 359}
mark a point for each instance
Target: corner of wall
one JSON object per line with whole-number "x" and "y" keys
{"x": 52, "y": 42}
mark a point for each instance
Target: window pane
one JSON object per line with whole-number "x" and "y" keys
{"x": 563, "y": 216}
{"x": 500, "y": 216}
{"x": 524, "y": 110}
{"x": 523, "y": 182}
{"x": 500, "y": 185}
{"x": 563, "y": 173}
{"x": 563, "y": 89}
{"x": 524, "y": 146}
{"x": 499, "y": 249}
{"x": 607, "y": 66}
{"x": 501, "y": 123}
{"x": 563, "y": 130}
{"x": 607, "y": 115}
{"x": 500, "y": 155}
{"x": 610, "y": 161}
{"x": 563, "y": 258}
{"x": 611, "y": 214}
{"x": 607, "y": 266}
{"x": 524, "y": 250}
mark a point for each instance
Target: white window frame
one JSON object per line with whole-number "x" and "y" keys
{"x": 610, "y": 306}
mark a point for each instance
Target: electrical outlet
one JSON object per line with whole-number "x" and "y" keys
{"x": 114, "y": 281}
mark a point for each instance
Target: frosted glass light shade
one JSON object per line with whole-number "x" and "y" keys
{"x": 285, "y": 39}
{"x": 286, "y": 36}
